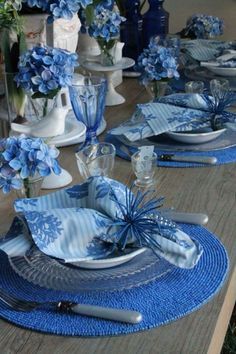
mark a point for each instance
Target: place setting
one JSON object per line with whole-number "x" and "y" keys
{"x": 193, "y": 129}
{"x": 209, "y": 59}
{"x": 103, "y": 246}
{"x": 80, "y": 261}
{"x": 104, "y": 255}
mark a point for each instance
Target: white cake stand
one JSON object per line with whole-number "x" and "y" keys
{"x": 113, "y": 98}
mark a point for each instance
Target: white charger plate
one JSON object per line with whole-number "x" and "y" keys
{"x": 195, "y": 138}
{"x": 74, "y": 136}
{"x": 74, "y": 132}
{"x": 109, "y": 262}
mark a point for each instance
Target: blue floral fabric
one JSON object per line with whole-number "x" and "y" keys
{"x": 176, "y": 112}
{"x": 86, "y": 222}
{"x": 204, "y": 50}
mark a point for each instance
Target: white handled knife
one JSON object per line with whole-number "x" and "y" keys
{"x": 127, "y": 316}
{"x": 181, "y": 158}
{"x": 188, "y": 218}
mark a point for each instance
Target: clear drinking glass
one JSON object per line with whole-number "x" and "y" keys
{"x": 194, "y": 87}
{"x": 218, "y": 87}
{"x": 88, "y": 102}
{"x": 144, "y": 169}
{"x": 96, "y": 160}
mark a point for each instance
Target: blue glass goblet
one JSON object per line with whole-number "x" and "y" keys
{"x": 88, "y": 103}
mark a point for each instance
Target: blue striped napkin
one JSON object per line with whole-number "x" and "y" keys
{"x": 204, "y": 49}
{"x": 87, "y": 221}
{"x": 177, "y": 112}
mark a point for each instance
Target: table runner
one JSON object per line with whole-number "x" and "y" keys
{"x": 224, "y": 156}
{"x": 176, "y": 294}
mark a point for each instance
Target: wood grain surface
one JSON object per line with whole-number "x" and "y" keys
{"x": 209, "y": 190}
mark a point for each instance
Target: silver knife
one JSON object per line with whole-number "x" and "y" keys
{"x": 171, "y": 157}
{"x": 198, "y": 159}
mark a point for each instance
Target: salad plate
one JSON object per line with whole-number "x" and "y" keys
{"x": 198, "y": 137}
{"x": 111, "y": 261}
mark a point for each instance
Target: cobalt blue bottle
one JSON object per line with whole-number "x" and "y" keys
{"x": 155, "y": 21}
{"x": 131, "y": 30}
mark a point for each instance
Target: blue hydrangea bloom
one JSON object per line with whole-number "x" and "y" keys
{"x": 157, "y": 62}
{"x": 106, "y": 22}
{"x": 45, "y": 70}
{"x": 22, "y": 157}
{"x": 59, "y": 8}
{"x": 203, "y": 26}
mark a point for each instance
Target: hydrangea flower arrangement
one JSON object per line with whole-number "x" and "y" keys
{"x": 157, "y": 62}
{"x": 23, "y": 157}
{"x": 59, "y": 8}
{"x": 202, "y": 26}
{"x": 43, "y": 70}
{"x": 105, "y": 28}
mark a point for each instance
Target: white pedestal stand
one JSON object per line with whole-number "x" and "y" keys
{"x": 113, "y": 98}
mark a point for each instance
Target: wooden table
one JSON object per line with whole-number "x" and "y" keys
{"x": 210, "y": 190}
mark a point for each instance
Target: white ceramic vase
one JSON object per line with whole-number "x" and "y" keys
{"x": 62, "y": 33}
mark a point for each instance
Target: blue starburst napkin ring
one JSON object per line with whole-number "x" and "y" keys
{"x": 177, "y": 112}
{"x": 90, "y": 220}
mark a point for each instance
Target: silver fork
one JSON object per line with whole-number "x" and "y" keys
{"x": 127, "y": 316}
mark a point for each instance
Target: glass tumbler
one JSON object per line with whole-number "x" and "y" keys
{"x": 219, "y": 87}
{"x": 194, "y": 87}
{"x": 96, "y": 160}
{"x": 144, "y": 169}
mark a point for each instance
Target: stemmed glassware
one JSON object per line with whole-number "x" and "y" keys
{"x": 88, "y": 103}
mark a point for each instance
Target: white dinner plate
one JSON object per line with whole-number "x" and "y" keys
{"x": 73, "y": 130}
{"x": 109, "y": 262}
{"x": 195, "y": 138}
{"x": 219, "y": 70}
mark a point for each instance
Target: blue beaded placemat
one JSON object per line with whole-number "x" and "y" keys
{"x": 170, "y": 297}
{"x": 224, "y": 156}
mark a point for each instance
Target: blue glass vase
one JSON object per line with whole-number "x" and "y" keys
{"x": 131, "y": 30}
{"x": 155, "y": 21}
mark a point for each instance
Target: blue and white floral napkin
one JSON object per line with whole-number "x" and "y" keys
{"x": 227, "y": 60}
{"x": 177, "y": 112}
{"x": 88, "y": 220}
{"x": 204, "y": 49}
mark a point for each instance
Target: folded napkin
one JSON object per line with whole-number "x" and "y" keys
{"x": 227, "y": 60}
{"x": 90, "y": 220}
{"x": 204, "y": 49}
{"x": 177, "y": 112}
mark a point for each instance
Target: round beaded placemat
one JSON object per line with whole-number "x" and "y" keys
{"x": 170, "y": 297}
